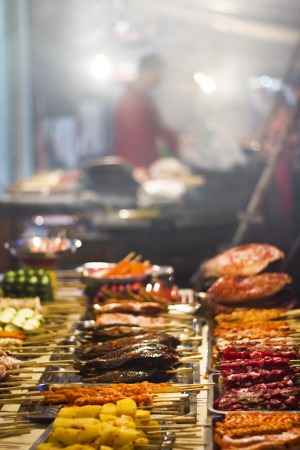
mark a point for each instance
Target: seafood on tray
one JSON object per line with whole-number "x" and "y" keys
{"x": 244, "y": 260}
{"x": 235, "y": 289}
{"x": 248, "y": 259}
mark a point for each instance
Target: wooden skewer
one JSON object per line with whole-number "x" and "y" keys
{"x": 37, "y": 354}
{"x": 12, "y": 431}
{"x": 16, "y": 401}
{"x": 32, "y": 371}
{"x": 50, "y": 346}
{"x": 45, "y": 363}
{"x": 19, "y": 395}
{"x": 180, "y": 370}
{"x": 21, "y": 378}
{"x": 190, "y": 359}
{"x": 19, "y": 388}
{"x": 177, "y": 426}
{"x": 180, "y": 419}
{"x": 192, "y": 338}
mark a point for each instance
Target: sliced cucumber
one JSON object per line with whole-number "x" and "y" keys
{"x": 26, "y": 313}
{"x": 7, "y": 314}
{"x": 31, "y": 324}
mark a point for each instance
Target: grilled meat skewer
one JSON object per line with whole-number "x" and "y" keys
{"x": 130, "y": 348}
{"x": 90, "y": 351}
{"x": 147, "y": 356}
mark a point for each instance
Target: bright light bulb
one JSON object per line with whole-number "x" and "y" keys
{"x": 101, "y": 67}
{"x": 206, "y": 83}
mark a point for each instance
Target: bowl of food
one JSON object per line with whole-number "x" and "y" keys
{"x": 99, "y": 273}
{"x": 38, "y": 247}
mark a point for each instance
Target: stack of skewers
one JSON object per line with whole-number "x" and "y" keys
{"x": 255, "y": 351}
{"x": 131, "y": 337}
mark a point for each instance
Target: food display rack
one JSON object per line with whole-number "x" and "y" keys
{"x": 70, "y": 288}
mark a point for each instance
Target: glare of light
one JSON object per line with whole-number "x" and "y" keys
{"x": 149, "y": 287}
{"x": 124, "y": 213}
{"x": 36, "y": 241}
{"x": 122, "y": 26}
{"x": 206, "y": 83}
{"x": 101, "y": 67}
{"x": 266, "y": 81}
{"x": 156, "y": 287}
{"x": 39, "y": 220}
{"x": 255, "y": 145}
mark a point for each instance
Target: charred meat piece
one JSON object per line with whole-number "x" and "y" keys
{"x": 114, "y": 353}
{"x": 133, "y": 375}
{"x": 90, "y": 351}
{"x": 144, "y": 357}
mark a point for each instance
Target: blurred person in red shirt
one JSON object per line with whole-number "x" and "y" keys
{"x": 141, "y": 137}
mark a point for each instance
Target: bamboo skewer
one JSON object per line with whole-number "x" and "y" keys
{"x": 23, "y": 394}
{"x": 32, "y": 371}
{"x": 50, "y": 346}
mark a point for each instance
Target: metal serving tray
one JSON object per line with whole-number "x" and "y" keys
{"x": 61, "y": 377}
{"x": 47, "y": 413}
{"x": 210, "y": 444}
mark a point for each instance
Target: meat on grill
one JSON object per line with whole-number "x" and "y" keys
{"x": 147, "y": 356}
{"x": 90, "y": 351}
{"x": 132, "y": 375}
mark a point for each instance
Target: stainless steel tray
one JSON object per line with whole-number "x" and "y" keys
{"x": 48, "y": 377}
{"x": 210, "y": 444}
{"x": 47, "y": 413}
